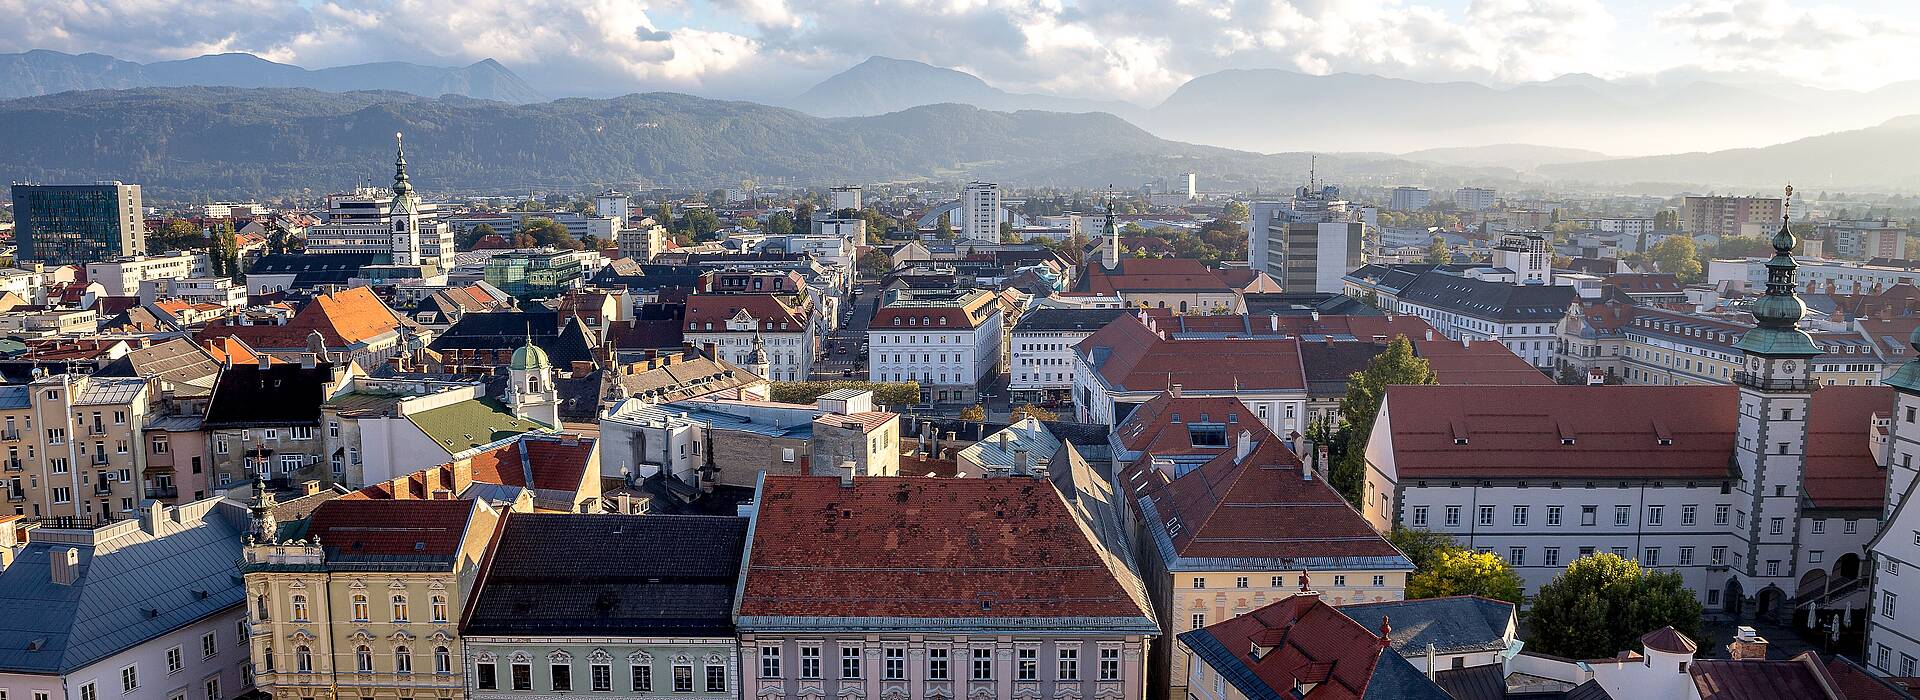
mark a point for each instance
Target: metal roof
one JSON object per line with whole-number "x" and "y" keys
{"x": 99, "y": 391}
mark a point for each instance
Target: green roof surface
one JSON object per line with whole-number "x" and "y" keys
{"x": 469, "y": 424}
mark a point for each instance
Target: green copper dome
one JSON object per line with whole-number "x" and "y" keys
{"x": 1778, "y": 313}
{"x": 529, "y": 357}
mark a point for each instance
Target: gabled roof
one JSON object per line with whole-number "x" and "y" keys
{"x": 770, "y": 311}
{"x": 550, "y": 575}
{"x": 371, "y": 529}
{"x": 131, "y": 587}
{"x": 283, "y": 394}
{"x": 1305, "y": 645}
{"x": 1841, "y": 469}
{"x": 1132, "y": 357}
{"x": 1152, "y": 275}
{"x": 1453, "y": 625}
{"x": 469, "y": 424}
{"x": 918, "y": 548}
{"x": 1856, "y": 683}
{"x": 1803, "y": 677}
{"x": 346, "y": 318}
{"x": 1489, "y": 299}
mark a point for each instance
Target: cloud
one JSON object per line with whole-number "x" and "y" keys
{"x": 1822, "y": 44}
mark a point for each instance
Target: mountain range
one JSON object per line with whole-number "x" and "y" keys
{"x": 215, "y": 141}
{"x": 1880, "y": 157}
{"x": 42, "y": 72}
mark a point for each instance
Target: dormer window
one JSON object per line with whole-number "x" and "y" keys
{"x": 1666, "y": 441}
{"x": 1459, "y": 441}
{"x": 1566, "y": 441}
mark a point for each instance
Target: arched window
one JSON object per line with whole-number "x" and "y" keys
{"x": 439, "y": 607}
{"x": 363, "y": 659}
{"x": 442, "y": 660}
{"x": 303, "y": 659}
{"x": 266, "y": 659}
{"x": 360, "y": 613}
{"x": 402, "y": 660}
{"x": 399, "y": 607}
{"x": 299, "y": 608}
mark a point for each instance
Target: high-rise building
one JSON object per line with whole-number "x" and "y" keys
{"x": 1729, "y": 216}
{"x": 980, "y": 212}
{"x": 1307, "y": 244}
{"x": 1410, "y": 198}
{"x": 77, "y": 224}
{"x": 846, "y": 197}
{"x": 1864, "y": 239}
{"x": 1474, "y": 198}
{"x": 612, "y": 203}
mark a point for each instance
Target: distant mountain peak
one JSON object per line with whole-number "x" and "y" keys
{"x": 43, "y": 72}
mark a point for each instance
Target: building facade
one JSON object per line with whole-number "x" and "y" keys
{"x": 1729, "y": 216}
{"x": 77, "y": 224}
{"x": 980, "y": 212}
{"x": 947, "y": 341}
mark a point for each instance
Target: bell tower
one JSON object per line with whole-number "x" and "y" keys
{"x": 1776, "y": 389}
{"x": 406, "y": 210}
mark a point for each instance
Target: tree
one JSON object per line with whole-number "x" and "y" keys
{"x": 666, "y": 216}
{"x": 525, "y": 240}
{"x": 1006, "y": 233}
{"x": 944, "y": 229}
{"x": 875, "y": 263}
{"x": 703, "y": 224}
{"x": 547, "y": 232}
{"x": 803, "y": 217}
{"x": 176, "y": 234}
{"x": 1602, "y": 603}
{"x": 1236, "y": 211}
{"x": 1421, "y": 546}
{"x": 884, "y": 393}
{"x": 225, "y": 256}
{"x": 1438, "y": 253}
{"x": 1677, "y": 255}
{"x": 1034, "y": 412}
{"x": 1462, "y": 572}
{"x": 473, "y": 236}
{"x": 1365, "y": 390}
{"x": 974, "y": 413}
{"x": 780, "y": 224}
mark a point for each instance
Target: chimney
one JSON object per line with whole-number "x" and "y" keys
{"x": 442, "y": 495}
{"x": 625, "y": 501}
{"x": 1273, "y": 321}
{"x": 1430, "y": 669}
{"x": 1315, "y": 315}
{"x": 308, "y": 360}
{"x": 1386, "y": 632}
{"x": 265, "y": 360}
{"x": 1175, "y": 390}
{"x": 1243, "y": 446}
{"x": 846, "y": 475}
{"x": 66, "y": 565}
{"x": 310, "y": 487}
{"x": 1429, "y": 335}
{"x": 151, "y": 513}
{"x": 1466, "y": 341}
{"x": 1746, "y": 644}
{"x": 1306, "y": 470}
{"x": 1020, "y": 467}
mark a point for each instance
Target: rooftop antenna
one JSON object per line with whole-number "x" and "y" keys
{"x": 1313, "y": 172}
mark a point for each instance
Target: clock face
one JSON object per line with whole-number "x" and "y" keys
{"x": 1788, "y": 368}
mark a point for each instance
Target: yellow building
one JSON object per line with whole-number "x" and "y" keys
{"x": 71, "y": 447}
{"x": 361, "y": 599}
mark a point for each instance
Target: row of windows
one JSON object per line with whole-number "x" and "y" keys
{"x": 1278, "y": 581}
{"x": 1555, "y": 516}
{"x": 363, "y": 659}
{"x": 599, "y": 677}
{"x": 939, "y": 665}
{"x": 397, "y": 610}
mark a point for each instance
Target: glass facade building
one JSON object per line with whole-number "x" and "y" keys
{"x": 77, "y": 224}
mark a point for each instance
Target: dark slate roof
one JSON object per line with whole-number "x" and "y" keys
{"x": 1303, "y": 304}
{"x": 647, "y": 276}
{"x": 311, "y": 270}
{"x": 508, "y": 330}
{"x": 283, "y": 394}
{"x": 1452, "y": 625}
{"x": 1500, "y": 301}
{"x": 611, "y": 575}
{"x": 1086, "y": 320}
{"x": 1487, "y": 682}
{"x": 131, "y": 587}
{"x": 1589, "y": 690}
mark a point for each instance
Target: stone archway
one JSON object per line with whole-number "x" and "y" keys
{"x": 1768, "y": 603}
{"x": 1847, "y": 566}
{"x": 1733, "y": 598}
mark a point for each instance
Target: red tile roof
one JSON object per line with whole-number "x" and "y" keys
{"x": 1149, "y": 275}
{"x": 1304, "y": 642}
{"x": 1842, "y": 471}
{"x": 361, "y": 527}
{"x": 558, "y": 463}
{"x": 1803, "y": 678}
{"x": 909, "y": 317}
{"x": 1133, "y": 358}
{"x": 1151, "y": 427}
{"x": 768, "y": 309}
{"x": 919, "y": 547}
{"x": 1480, "y": 364}
{"x": 344, "y": 318}
{"x": 1856, "y": 683}
{"x": 1520, "y": 431}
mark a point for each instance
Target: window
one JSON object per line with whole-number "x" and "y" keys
{"x": 601, "y": 676}
{"x": 849, "y": 661}
{"x": 1553, "y": 516}
{"x": 809, "y": 662}
{"x": 894, "y": 667}
{"x": 402, "y": 660}
{"x": 1589, "y": 514}
{"x": 1688, "y": 515}
{"x": 1109, "y": 663}
{"x": 1815, "y": 556}
{"x": 1419, "y": 516}
{"x": 769, "y": 662}
{"x": 1550, "y": 556}
{"x": 1240, "y": 582}
{"x": 1720, "y": 515}
{"x": 1279, "y": 582}
{"x": 1199, "y": 620}
{"x": 1519, "y": 516}
{"x": 1199, "y": 582}
{"x": 1656, "y": 515}
{"x": 982, "y": 666}
{"x": 1776, "y": 526}
{"x": 1069, "y": 664}
{"x": 1453, "y": 516}
{"x": 1339, "y": 580}
{"x": 87, "y": 692}
{"x": 1906, "y": 665}
{"x": 642, "y": 677}
{"x": 442, "y": 660}
{"x": 129, "y": 678}
{"x": 1849, "y": 526}
{"x": 209, "y": 645}
{"x": 1622, "y": 515}
{"x": 299, "y": 608}
{"x": 1686, "y": 556}
{"x": 1887, "y": 601}
{"x": 1379, "y": 580}
{"x": 303, "y": 659}
{"x": 1820, "y": 526}
{"x": 1486, "y": 515}
{"x": 938, "y": 668}
{"x": 562, "y": 675}
{"x": 716, "y": 679}
{"x": 360, "y": 613}
{"x": 1650, "y": 556}
{"x": 1773, "y": 567}
{"x": 439, "y": 607}
{"x": 1026, "y": 664}
{"x": 363, "y": 659}
{"x": 1517, "y": 556}
{"x": 1892, "y": 567}
{"x": 1880, "y": 660}
{"x": 484, "y": 676}
{"x": 212, "y": 686}
{"x": 683, "y": 679}
{"x": 173, "y": 660}
{"x": 522, "y": 676}
{"x": 399, "y": 607}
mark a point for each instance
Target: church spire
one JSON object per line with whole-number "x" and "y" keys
{"x": 401, "y": 186}
{"x": 1778, "y": 312}
{"x": 1112, "y": 234}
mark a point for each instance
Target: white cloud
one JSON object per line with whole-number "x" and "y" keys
{"x": 1827, "y": 45}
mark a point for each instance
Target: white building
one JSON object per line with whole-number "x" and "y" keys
{"x": 1410, "y": 198}
{"x": 948, "y": 341}
{"x": 846, "y": 197}
{"x": 980, "y": 212}
{"x": 1893, "y": 633}
{"x": 199, "y": 290}
{"x": 1846, "y": 277}
{"x": 1041, "y": 350}
{"x": 122, "y": 277}
{"x": 641, "y": 244}
{"x": 760, "y": 332}
{"x": 612, "y": 204}
{"x": 1474, "y": 198}
{"x": 1307, "y": 244}
{"x": 392, "y": 221}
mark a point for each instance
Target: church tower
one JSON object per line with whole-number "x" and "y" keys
{"x": 1776, "y": 389}
{"x": 530, "y": 391}
{"x": 1112, "y": 234}
{"x": 406, "y": 210}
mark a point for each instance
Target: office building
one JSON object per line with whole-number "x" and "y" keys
{"x": 612, "y": 204}
{"x": 534, "y": 274}
{"x": 1309, "y": 243}
{"x": 122, "y": 277}
{"x": 1474, "y": 198}
{"x": 980, "y": 212}
{"x": 1729, "y": 216}
{"x": 846, "y": 197}
{"x": 948, "y": 341}
{"x": 1864, "y": 239}
{"x": 1410, "y": 198}
{"x": 393, "y": 223}
{"x": 77, "y": 224}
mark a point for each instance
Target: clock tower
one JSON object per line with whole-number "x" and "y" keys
{"x": 1776, "y": 389}
{"x": 406, "y": 210}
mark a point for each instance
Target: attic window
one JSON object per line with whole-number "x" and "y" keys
{"x": 1566, "y": 441}
{"x": 1666, "y": 441}
{"x": 1459, "y": 441}
{"x": 419, "y": 546}
{"x": 1176, "y": 417}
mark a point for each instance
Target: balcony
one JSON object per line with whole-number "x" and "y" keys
{"x": 96, "y": 429}
{"x": 103, "y": 489}
{"x": 162, "y": 492}
{"x": 99, "y": 458}
{"x": 13, "y": 434}
{"x": 1750, "y": 380}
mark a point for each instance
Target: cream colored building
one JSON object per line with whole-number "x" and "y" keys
{"x": 362, "y": 598}
{"x": 69, "y": 447}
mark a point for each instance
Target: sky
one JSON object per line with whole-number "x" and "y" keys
{"x": 1134, "y": 50}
